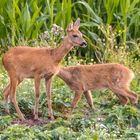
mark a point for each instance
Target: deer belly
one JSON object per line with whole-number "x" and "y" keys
{"x": 96, "y": 84}
{"x": 32, "y": 73}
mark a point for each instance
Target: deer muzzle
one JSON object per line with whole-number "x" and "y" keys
{"x": 83, "y": 44}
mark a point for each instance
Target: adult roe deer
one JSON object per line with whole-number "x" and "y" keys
{"x": 37, "y": 63}
{"x": 83, "y": 78}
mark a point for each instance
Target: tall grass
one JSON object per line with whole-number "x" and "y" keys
{"x": 110, "y": 24}
{"x": 26, "y": 20}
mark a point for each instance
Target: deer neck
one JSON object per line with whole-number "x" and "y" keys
{"x": 62, "y": 50}
{"x": 64, "y": 74}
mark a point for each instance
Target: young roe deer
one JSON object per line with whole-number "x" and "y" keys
{"x": 27, "y": 62}
{"x": 83, "y": 78}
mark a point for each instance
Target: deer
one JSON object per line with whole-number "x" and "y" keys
{"x": 23, "y": 62}
{"x": 84, "y": 78}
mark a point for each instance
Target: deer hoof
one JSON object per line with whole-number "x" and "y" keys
{"x": 22, "y": 118}
{"x": 35, "y": 117}
{"x": 51, "y": 118}
{"x": 134, "y": 102}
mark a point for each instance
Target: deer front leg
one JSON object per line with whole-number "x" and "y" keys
{"x": 123, "y": 100}
{"x": 89, "y": 99}
{"x": 37, "y": 92}
{"x": 75, "y": 101}
{"x": 48, "y": 83}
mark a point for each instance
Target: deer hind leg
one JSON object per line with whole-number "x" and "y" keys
{"x": 124, "y": 93}
{"x": 13, "y": 84}
{"x": 123, "y": 100}
{"x": 6, "y": 91}
{"x": 48, "y": 83}
{"x": 37, "y": 92}
{"x": 133, "y": 100}
{"x": 89, "y": 99}
{"x": 6, "y": 94}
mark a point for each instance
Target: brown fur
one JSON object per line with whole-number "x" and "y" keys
{"x": 37, "y": 63}
{"x": 84, "y": 78}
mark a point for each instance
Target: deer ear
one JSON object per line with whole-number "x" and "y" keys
{"x": 69, "y": 27}
{"x": 77, "y": 23}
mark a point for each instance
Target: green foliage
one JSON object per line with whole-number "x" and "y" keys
{"x": 22, "y": 132}
{"x": 5, "y": 121}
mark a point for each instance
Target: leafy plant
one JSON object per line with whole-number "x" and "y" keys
{"x": 5, "y": 121}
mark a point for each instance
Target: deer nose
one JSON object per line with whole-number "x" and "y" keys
{"x": 83, "y": 44}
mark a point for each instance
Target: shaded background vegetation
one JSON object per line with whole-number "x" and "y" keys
{"x": 112, "y": 30}
{"x": 107, "y": 24}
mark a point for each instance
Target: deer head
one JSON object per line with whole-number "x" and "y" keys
{"x": 74, "y": 35}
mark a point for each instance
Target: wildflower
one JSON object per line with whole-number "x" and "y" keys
{"x": 56, "y": 30}
{"x": 46, "y": 34}
{"x": 99, "y": 39}
{"x": 103, "y": 39}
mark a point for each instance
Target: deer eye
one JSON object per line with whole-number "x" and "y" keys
{"x": 75, "y": 35}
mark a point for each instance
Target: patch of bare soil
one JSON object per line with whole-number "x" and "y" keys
{"x": 31, "y": 122}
